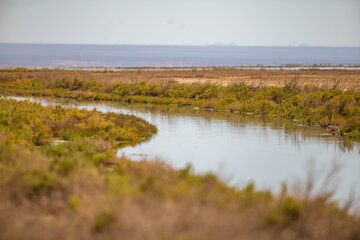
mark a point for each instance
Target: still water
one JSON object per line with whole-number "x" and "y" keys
{"x": 239, "y": 148}
{"x": 112, "y": 56}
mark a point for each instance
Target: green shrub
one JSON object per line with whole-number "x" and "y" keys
{"x": 102, "y": 221}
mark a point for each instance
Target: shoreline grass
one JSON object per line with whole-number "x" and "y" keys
{"x": 337, "y": 109}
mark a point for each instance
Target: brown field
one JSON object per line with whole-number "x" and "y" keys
{"x": 340, "y": 79}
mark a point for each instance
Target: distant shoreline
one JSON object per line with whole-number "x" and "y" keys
{"x": 285, "y": 67}
{"x": 143, "y": 56}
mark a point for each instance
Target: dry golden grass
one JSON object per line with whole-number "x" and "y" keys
{"x": 150, "y": 216}
{"x": 340, "y": 79}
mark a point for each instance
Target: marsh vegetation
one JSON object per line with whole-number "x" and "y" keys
{"x": 60, "y": 176}
{"x": 336, "y": 105}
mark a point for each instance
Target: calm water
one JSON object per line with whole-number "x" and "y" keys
{"x": 238, "y": 148}
{"x": 57, "y": 55}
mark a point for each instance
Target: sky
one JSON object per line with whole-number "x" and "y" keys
{"x": 182, "y": 22}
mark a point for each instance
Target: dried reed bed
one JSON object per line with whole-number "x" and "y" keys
{"x": 298, "y": 212}
{"x": 340, "y": 79}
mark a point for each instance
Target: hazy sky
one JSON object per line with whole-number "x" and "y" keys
{"x": 182, "y": 22}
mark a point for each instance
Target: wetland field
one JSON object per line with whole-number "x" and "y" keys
{"x": 168, "y": 153}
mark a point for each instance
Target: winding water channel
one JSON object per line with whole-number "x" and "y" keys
{"x": 239, "y": 148}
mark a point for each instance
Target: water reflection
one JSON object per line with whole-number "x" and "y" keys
{"x": 241, "y": 147}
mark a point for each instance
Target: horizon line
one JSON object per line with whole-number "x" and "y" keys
{"x": 179, "y": 45}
